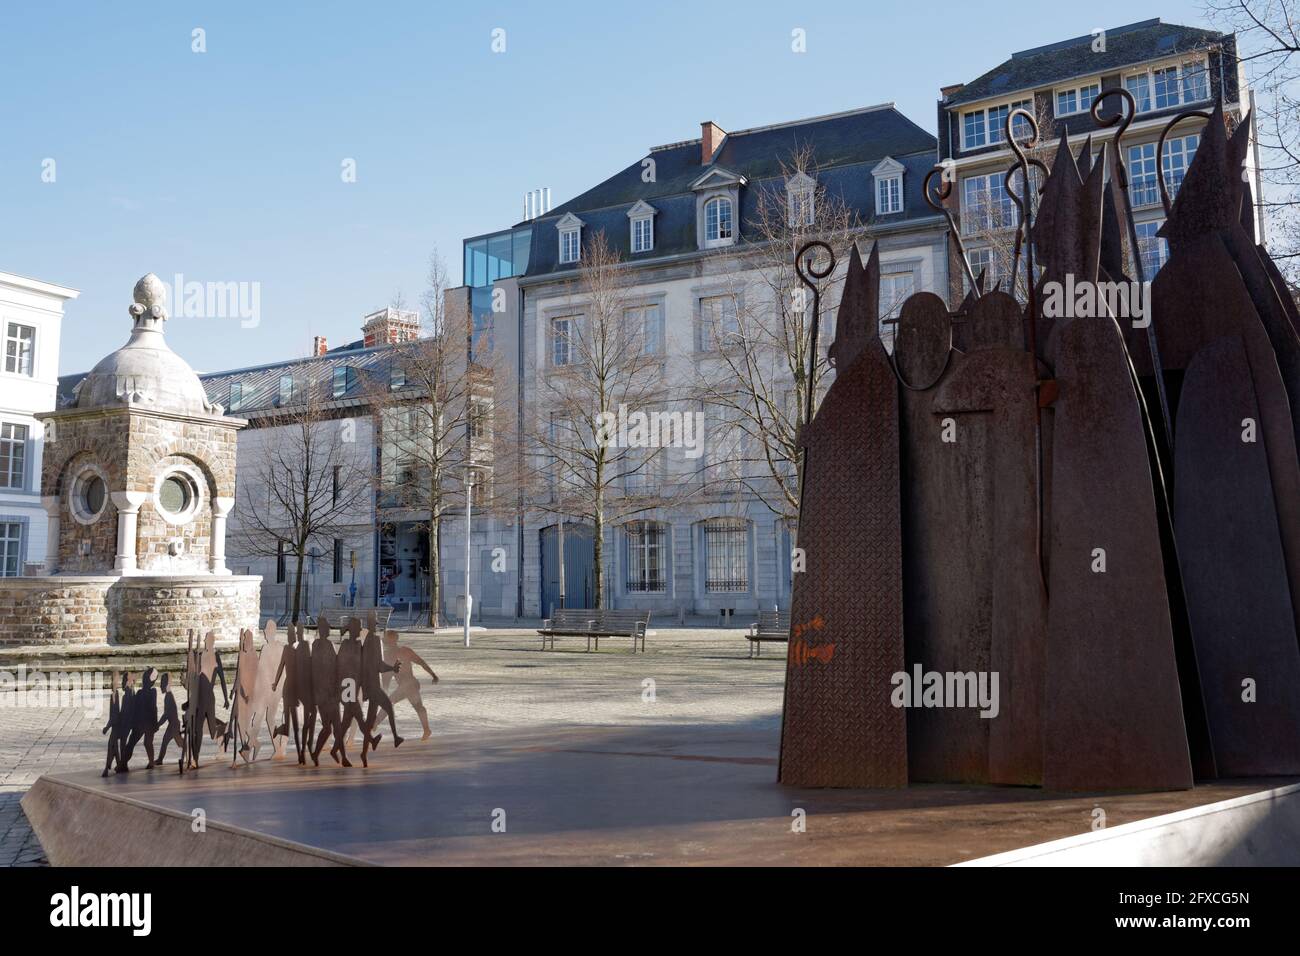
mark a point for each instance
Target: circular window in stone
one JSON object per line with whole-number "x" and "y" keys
{"x": 89, "y": 496}
{"x": 177, "y": 497}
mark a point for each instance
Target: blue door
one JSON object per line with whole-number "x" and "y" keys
{"x": 579, "y": 562}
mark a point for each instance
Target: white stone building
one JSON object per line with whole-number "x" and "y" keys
{"x": 31, "y": 313}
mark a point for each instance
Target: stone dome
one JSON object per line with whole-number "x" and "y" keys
{"x": 145, "y": 371}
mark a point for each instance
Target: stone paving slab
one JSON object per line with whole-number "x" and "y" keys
{"x": 504, "y": 682}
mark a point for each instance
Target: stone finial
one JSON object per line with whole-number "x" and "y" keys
{"x": 150, "y": 300}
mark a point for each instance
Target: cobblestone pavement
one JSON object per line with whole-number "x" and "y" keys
{"x": 503, "y": 681}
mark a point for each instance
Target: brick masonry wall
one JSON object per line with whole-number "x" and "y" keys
{"x": 130, "y": 610}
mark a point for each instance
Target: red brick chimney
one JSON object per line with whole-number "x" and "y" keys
{"x": 318, "y": 345}
{"x": 711, "y": 136}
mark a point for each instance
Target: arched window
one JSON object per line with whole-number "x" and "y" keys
{"x": 647, "y": 557}
{"x": 718, "y": 220}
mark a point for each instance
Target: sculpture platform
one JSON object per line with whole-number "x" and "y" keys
{"x": 654, "y": 795}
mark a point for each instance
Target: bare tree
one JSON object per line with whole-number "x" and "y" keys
{"x": 604, "y": 365}
{"x": 756, "y": 335}
{"x": 305, "y": 479}
{"x": 430, "y": 414}
{"x": 1268, "y": 38}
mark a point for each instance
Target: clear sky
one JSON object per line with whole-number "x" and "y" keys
{"x": 225, "y": 166}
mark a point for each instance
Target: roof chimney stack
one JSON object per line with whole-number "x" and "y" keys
{"x": 711, "y": 136}
{"x": 537, "y": 203}
{"x": 318, "y": 345}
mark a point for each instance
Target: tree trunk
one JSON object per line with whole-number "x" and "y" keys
{"x": 598, "y": 548}
{"x": 435, "y": 570}
{"x": 297, "y": 584}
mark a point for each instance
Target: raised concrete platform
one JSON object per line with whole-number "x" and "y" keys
{"x": 693, "y": 795}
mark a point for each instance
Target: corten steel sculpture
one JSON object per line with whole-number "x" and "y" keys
{"x": 404, "y": 661}
{"x": 262, "y": 706}
{"x": 325, "y": 686}
{"x": 144, "y": 718}
{"x": 114, "y": 727}
{"x": 170, "y": 722}
{"x": 373, "y": 666}
{"x": 351, "y": 683}
{"x": 287, "y": 677}
{"x": 1102, "y": 512}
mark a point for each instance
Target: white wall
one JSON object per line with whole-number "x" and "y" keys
{"x": 38, "y": 305}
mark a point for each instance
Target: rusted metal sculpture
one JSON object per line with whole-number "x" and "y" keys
{"x": 1096, "y": 509}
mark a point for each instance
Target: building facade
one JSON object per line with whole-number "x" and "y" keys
{"x": 31, "y": 315}
{"x": 1167, "y": 68}
{"x": 682, "y": 222}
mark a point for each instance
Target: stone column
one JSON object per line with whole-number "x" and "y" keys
{"x": 220, "y": 509}
{"x": 51, "y": 505}
{"x": 128, "y": 508}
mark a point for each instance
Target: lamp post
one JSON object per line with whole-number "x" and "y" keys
{"x": 468, "y": 476}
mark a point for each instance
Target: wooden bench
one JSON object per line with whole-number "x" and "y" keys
{"x": 338, "y": 616}
{"x": 595, "y": 623}
{"x": 770, "y": 626}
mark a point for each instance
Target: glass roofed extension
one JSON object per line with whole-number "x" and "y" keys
{"x": 487, "y": 259}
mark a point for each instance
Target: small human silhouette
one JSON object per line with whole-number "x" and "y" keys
{"x": 405, "y": 660}
{"x": 325, "y": 685}
{"x": 113, "y": 726}
{"x": 170, "y": 718}
{"x": 144, "y": 717}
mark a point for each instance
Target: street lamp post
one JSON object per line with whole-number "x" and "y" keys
{"x": 469, "y": 472}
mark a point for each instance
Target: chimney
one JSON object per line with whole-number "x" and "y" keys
{"x": 318, "y": 345}
{"x": 711, "y": 135}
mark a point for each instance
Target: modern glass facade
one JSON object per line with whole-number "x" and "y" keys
{"x": 500, "y": 255}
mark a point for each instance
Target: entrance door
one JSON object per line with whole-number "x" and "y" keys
{"x": 579, "y": 567}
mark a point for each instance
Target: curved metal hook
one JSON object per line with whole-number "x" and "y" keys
{"x": 809, "y": 279}
{"x": 1160, "y": 152}
{"x": 1030, "y": 142}
{"x": 1120, "y": 117}
{"x": 944, "y": 192}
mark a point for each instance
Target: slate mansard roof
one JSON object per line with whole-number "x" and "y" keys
{"x": 1056, "y": 62}
{"x": 261, "y": 383}
{"x": 844, "y": 148}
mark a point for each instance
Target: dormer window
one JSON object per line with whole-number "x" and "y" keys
{"x": 286, "y": 389}
{"x": 1165, "y": 87}
{"x": 570, "y": 231}
{"x": 888, "y": 175}
{"x": 800, "y": 194}
{"x": 642, "y": 219}
{"x": 717, "y": 197}
{"x": 345, "y": 379}
{"x": 236, "y": 395}
{"x": 718, "y": 220}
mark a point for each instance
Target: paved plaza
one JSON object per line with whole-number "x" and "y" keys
{"x": 504, "y": 683}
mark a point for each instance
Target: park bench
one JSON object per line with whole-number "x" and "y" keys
{"x": 593, "y": 624}
{"x": 770, "y": 626}
{"x": 338, "y": 616}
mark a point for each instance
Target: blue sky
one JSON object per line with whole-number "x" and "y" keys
{"x": 225, "y": 166}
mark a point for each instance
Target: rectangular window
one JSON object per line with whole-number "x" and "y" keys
{"x": 338, "y": 560}
{"x": 1153, "y": 249}
{"x": 396, "y": 378}
{"x": 986, "y": 207}
{"x": 286, "y": 389}
{"x": 345, "y": 377}
{"x": 20, "y": 340}
{"x": 236, "y": 395}
{"x": 647, "y": 557}
{"x": 335, "y": 481}
{"x": 570, "y": 246}
{"x": 643, "y": 234}
{"x": 895, "y": 287}
{"x": 973, "y": 130}
{"x": 718, "y": 322}
{"x": 1144, "y": 188}
{"x": 647, "y": 324}
{"x": 644, "y": 470}
{"x": 1076, "y": 100}
{"x": 480, "y": 420}
{"x": 11, "y": 548}
{"x": 889, "y": 195}
{"x": 1169, "y": 86}
{"x": 562, "y": 330}
{"x": 13, "y": 455}
{"x": 726, "y": 551}
{"x": 279, "y": 562}
{"x": 802, "y": 210}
